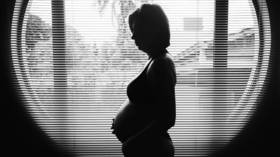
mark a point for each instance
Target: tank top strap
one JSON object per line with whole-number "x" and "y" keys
{"x": 148, "y": 64}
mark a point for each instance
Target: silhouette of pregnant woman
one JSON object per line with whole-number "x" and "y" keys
{"x": 143, "y": 121}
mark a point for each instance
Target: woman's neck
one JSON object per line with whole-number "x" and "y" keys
{"x": 156, "y": 53}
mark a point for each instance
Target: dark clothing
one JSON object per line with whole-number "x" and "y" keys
{"x": 139, "y": 91}
{"x": 136, "y": 114}
{"x": 159, "y": 145}
{"x": 142, "y": 108}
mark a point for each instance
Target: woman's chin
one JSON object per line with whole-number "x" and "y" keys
{"x": 142, "y": 48}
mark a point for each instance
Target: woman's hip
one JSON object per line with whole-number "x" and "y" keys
{"x": 153, "y": 145}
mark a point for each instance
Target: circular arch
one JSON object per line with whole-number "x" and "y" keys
{"x": 257, "y": 79}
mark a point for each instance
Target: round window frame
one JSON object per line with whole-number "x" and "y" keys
{"x": 239, "y": 113}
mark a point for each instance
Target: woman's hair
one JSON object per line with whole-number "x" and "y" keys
{"x": 151, "y": 17}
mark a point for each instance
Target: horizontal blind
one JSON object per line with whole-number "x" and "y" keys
{"x": 73, "y": 60}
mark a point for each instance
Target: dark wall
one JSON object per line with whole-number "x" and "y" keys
{"x": 21, "y": 137}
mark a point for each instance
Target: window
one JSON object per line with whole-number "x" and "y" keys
{"x": 74, "y": 85}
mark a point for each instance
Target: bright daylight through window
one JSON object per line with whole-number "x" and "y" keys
{"x": 101, "y": 59}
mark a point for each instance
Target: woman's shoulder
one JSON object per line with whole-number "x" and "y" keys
{"x": 162, "y": 65}
{"x": 162, "y": 69}
{"x": 162, "y": 62}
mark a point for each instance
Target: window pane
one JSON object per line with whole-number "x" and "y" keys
{"x": 37, "y": 58}
{"x": 243, "y": 55}
{"x": 103, "y": 59}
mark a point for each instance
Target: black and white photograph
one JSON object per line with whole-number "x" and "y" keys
{"x": 140, "y": 78}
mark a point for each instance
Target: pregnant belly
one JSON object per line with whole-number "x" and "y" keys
{"x": 129, "y": 120}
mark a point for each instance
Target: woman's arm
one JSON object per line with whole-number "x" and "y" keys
{"x": 161, "y": 75}
{"x": 162, "y": 79}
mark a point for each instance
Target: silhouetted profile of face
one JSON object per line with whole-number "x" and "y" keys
{"x": 142, "y": 36}
{"x": 150, "y": 28}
